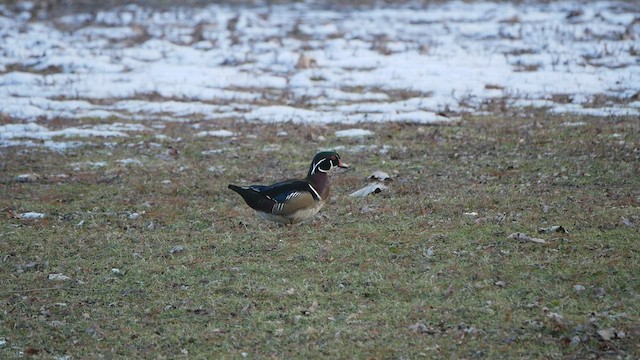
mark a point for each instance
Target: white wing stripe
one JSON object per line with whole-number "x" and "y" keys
{"x": 277, "y": 208}
{"x": 292, "y": 195}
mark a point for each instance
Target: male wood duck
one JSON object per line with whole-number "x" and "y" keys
{"x": 293, "y": 201}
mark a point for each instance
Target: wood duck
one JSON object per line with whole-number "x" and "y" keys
{"x": 293, "y": 201}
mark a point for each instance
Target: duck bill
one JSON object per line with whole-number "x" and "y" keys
{"x": 342, "y": 165}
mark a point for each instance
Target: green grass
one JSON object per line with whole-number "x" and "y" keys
{"x": 359, "y": 280}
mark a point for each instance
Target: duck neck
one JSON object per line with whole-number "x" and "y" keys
{"x": 320, "y": 181}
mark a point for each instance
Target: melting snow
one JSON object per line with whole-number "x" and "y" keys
{"x": 354, "y": 133}
{"x": 14, "y": 134}
{"x": 220, "y": 61}
{"x": 34, "y": 131}
{"x": 217, "y": 133}
{"x": 129, "y": 161}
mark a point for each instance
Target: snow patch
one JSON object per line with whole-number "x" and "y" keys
{"x": 134, "y": 62}
{"x": 353, "y": 133}
{"x": 32, "y": 215}
{"x": 216, "y": 133}
{"x": 129, "y": 161}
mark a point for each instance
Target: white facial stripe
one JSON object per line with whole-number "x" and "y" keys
{"x": 315, "y": 167}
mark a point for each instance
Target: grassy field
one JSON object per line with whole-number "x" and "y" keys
{"x": 164, "y": 262}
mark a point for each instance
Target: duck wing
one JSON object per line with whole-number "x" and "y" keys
{"x": 282, "y": 198}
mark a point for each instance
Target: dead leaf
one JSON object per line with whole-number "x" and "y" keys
{"x": 312, "y": 308}
{"x": 95, "y": 331}
{"x": 290, "y": 291}
{"x": 380, "y": 175}
{"x": 575, "y": 13}
{"x": 177, "y": 249}
{"x": 607, "y": 334}
{"x": 58, "y": 277}
{"x": 558, "y": 320}
{"x": 369, "y": 189}
{"x": 32, "y": 265}
{"x": 553, "y": 229}
{"x": 27, "y": 178}
{"x": 305, "y": 62}
{"x": 173, "y": 152}
{"x": 627, "y": 222}
{"x": 575, "y": 340}
{"x": 368, "y": 209}
{"x": 31, "y": 351}
{"x": 448, "y": 293}
{"x": 429, "y": 251}
{"x": 525, "y": 237}
{"x": 493, "y": 87}
{"x": 12, "y": 214}
{"x": 421, "y": 328}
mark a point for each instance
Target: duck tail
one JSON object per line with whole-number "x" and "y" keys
{"x": 253, "y": 198}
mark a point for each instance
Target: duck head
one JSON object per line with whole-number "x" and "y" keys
{"x": 325, "y": 161}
